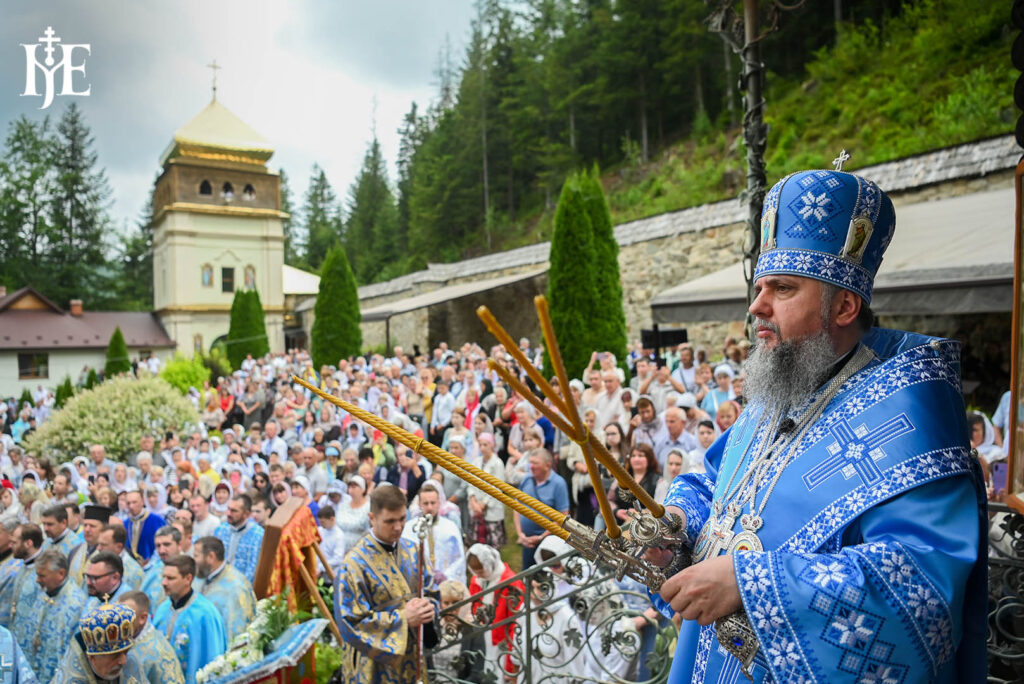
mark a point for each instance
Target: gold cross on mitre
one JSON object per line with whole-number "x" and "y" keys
{"x": 214, "y": 67}
{"x": 838, "y": 162}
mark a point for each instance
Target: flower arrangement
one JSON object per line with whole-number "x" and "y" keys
{"x": 272, "y": 619}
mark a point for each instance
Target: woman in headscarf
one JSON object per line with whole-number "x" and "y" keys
{"x": 156, "y": 499}
{"x": 353, "y": 516}
{"x": 221, "y": 496}
{"x": 727, "y": 414}
{"x": 11, "y": 505}
{"x": 33, "y": 501}
{"x": 123, "y": 481}
{"x": 488, "y": 570}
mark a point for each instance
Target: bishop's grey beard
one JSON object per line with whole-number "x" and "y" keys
{"x": 791, "y": 371}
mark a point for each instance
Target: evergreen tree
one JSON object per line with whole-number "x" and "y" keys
{"x": 26, "y": 182}
{"x": 64, "y": 392}
{"x": 322, "y": 218}
{"x": 134, "y": 283}
{"x": 25, "y": 398}
{"x": 256, "y": 326}
{"x": 571, "y": 284}
{"x": 292, "y": 241}
{"x": 92, "y": 379}
{"x": 608, "y": 320}
{"x": 77, "y": 255}
{"x": 372, "y": 241}
{"x": 117, "y": 355}
{"x": 235, "y": 342}
{"x": 336, "y": 333}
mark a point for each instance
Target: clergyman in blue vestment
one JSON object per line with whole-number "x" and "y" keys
{"x": 838, "y": 529}
{"x": 18, "y": 670}
{"x": 225, "y": 587}
{"x": 45, "y": 631}
{"x": 190, "y": 622}
{"x": 157, "y": 660}
{"x": 242, "y": 536}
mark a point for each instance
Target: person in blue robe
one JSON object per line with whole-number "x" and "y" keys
{"x": 141, "y": 527}
{"x": 242, "y": 536}
{"x": 17, "y": 670}
{"x": 44, "y": 631}
{"x": 9, "y": 565}
{"x": 840, "y": 524}
{"x": 101, "y": 649}
{"x": 192, "y": 624}
{"x": 157, "y": 659}
{"x": 55, "y": 526}
{"x": 153, "y": 581}
{"x": 103, "y": 579}
{"x": 27, "y": 539}
{"x": 225, "y": 587}
{"x": 372, "y": 606}
{"x": 94, "y": 518}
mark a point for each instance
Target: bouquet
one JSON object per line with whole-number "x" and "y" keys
{"x": 272, "y": 619}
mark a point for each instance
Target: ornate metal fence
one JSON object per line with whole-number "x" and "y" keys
{"x": 1006, "y": 596}
{"x": 558, "y": 622}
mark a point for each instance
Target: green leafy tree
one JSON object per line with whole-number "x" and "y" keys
{"x": 336, "y": 333}
{"x": 117, "y": 356}
{"x": 608, "y": 320}
{"x": 571, "y": 288}
{"x": 321, "y": 217}
{"x": 184, "y": 373}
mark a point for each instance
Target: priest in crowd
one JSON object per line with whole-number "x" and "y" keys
{"x": 9, "y": 565}
{"x": 242, "y": 536}
{"x": 28, "y": 540}
{"x": 94, "y": 517}
{"x": 100, "y": 650}
{"x": 153, "y": 652}
{"x": 55, "y": 526}
{"x": 112, "y": 539}
{"x": 104, "y": 579}
{"x": 167, "y": 542}
{"x": 17, "y": 670}
{"x": 226, "y": 588}
{"x": 192, "y": 624}
{"x": 445, "y": 552}
{"x": 44, "y": 632}
{"x": 141, "y": 526}
{"x": 377, "y": 620}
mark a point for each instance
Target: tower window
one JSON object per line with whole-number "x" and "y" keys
{"x": 248, "y": 194}
{"x": 227, "y": 279}
{"x": 205, "y": 188}
{"x": 227, "y": 192}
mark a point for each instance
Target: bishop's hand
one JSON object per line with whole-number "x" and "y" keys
{"x": 704, "y": 592}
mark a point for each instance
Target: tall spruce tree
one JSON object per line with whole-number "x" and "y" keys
{"x": 608, "y": 320}
{"x": 321, "y": 218}
{"x": 372, "y": 241}
{"x": 235, "y": 342}
{"x": 26, "y": 182}
{"x": 256, "y": 325}
{"x": 292, "y": 240}
{"x": 117, "y": 355}
{"x": 571, "y": 285}
{"x": 336, "y": 334}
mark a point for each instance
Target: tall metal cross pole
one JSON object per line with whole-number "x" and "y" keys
{"x": 213, "y": 66}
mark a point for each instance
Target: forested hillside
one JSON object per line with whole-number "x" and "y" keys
{"x": 641, "y": 89}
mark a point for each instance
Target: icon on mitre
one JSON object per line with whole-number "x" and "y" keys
{"x": 857, "y": 238}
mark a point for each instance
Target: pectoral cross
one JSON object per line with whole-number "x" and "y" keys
{"x": 213, "y": 66}
{"x": 837, "y": 162}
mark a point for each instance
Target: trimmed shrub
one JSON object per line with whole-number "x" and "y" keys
{"x": 64, "y": 392}
{"x": 183, "y": 373}
{"x": 117, "y": 356}
{"x": 336, "y": 334}
{"x": 115, "y": 414}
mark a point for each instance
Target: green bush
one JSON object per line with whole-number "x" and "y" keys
{"x": 217, "y": 362}
{"x": 64, "y": 392}
{"x": 183, "y": 373}
{"x": 117, "y": 355}
{"x": 92, "y": 379}
{"x": 115, "y": 414}
{"x": 336, "y": 333}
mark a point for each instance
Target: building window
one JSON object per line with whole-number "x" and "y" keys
{"x": 34, "y": 365}
{"x": 248, "y": 194}
{"x": 227, "y": 279}
{"x": 197, "y": 344}
{"x": 227, "y": 192}
{"x": 205, "y": 188}
{"x": 207, "y": 275}
{"x": 250, "y": 277}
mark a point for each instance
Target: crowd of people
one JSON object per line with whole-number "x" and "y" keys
{"x": 174, "y": 530}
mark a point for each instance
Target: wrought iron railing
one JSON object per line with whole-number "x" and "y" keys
{"x": 561, "y": 621}
{"x": 1006, "y": 595}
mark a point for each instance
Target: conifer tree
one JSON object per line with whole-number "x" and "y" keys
{"x": 608, "y": 320}
{"x": 336, "y": 334}
{"x": 372, "y": 240}
{"x": 322, "y": 218}
{"x": 117, "y": 356}
{"x": 571, "y": 279}
{"x": 92, "y": 379}
{"x": 25, "y": 398}
{"x": 256, "y": 326}
{"x": 236, "y": 330}
{"x": 64, "y": 392}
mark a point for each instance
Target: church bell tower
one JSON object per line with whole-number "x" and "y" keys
{"x": 217, "y": 228}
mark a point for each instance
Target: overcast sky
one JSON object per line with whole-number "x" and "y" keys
{"x": 303, "y": 74}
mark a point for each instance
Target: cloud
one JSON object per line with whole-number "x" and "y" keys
{"x": 305, "y": 75}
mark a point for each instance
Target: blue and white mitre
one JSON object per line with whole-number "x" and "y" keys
{"x": 828, "y": 225}
{"x": 108, "y": 629}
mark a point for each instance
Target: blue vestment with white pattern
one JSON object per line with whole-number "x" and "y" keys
{"x": 231, "y": 594}
{"x": 873, "y": 568}
{"x": 67, "y": 542}
{"x": 17, "y": 670}
{"x": 49, "y": 627}
{"x": 8, "y": 571}
{"x": 152, "y": 582}
{"x": 195, "y": 631}
{"x": 242, "y": 548}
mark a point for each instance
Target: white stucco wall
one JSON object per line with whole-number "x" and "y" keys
{"x": 64, "y": 362}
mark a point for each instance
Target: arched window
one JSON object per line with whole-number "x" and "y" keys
{"x": 248, "y": 194}
{"x": 207, "y": 275}
{"x": 227, "y": 192}
{"x": 205, "y": 188}
{"x": 250, "y": 277}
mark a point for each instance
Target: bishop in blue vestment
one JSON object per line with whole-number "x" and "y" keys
{"x": 18, "y": 670}
{"x": 840, "y": 525}
{"x": 94, "y": 654}
{"x": 242, "y": 536}
{"x": 192, "y": 624}
{"x": 225, "y": 587}
{"x": 45, "y": 631}
{"x": 157, "y": 660}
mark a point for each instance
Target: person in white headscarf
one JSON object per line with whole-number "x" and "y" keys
{"x": 488, "y": 569}
{"x": 156, "y": 499}
{"x": 123, "y": 480}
